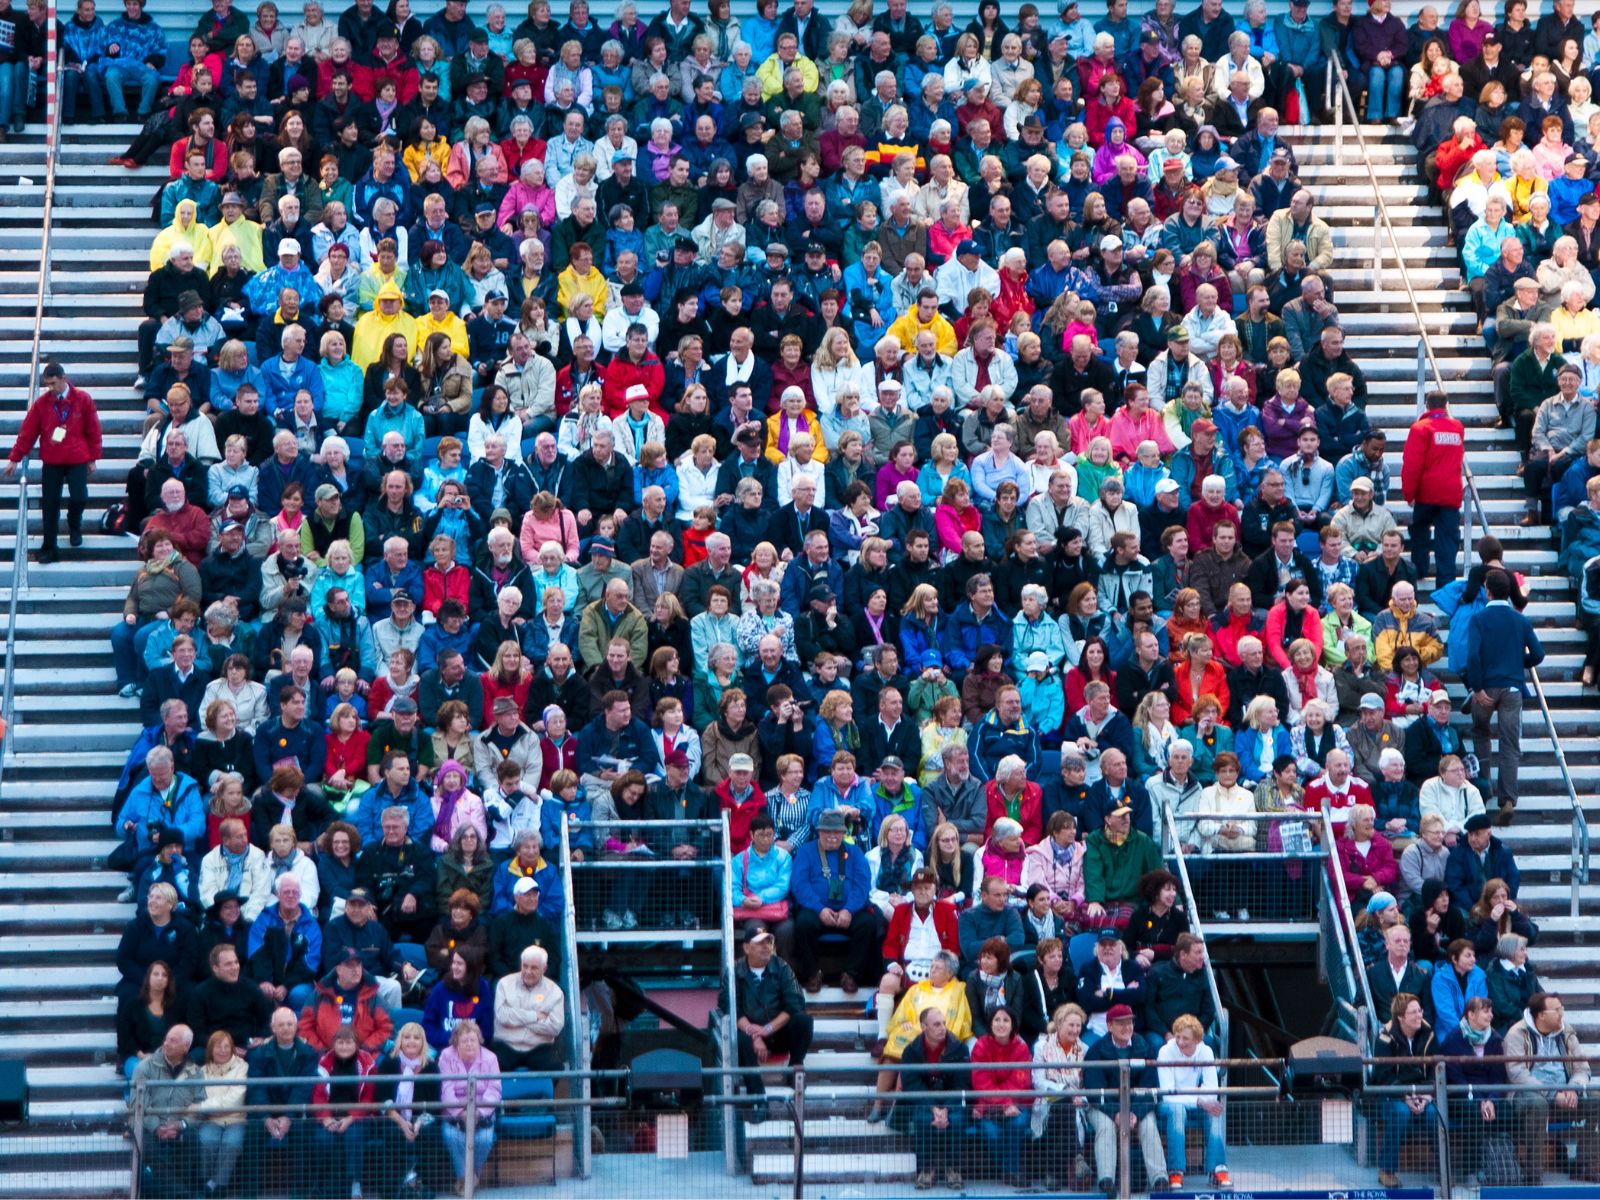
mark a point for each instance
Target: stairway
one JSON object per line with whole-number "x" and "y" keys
{"x": 842, "y": 1146}
{"x": 59, "y": 920}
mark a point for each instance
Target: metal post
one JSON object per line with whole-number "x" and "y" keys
{"x": 470, "y": 1127}
{"x": 1377, "y": 257}
{"x": 1441, "y": 1128}
{"x": 1422, "y": 376}
{"x": 727, "y": 1038}
{"x": 1124, "y": 1133}
{"x": 136, "y": 1114}
{"x": 798, "y": 1112}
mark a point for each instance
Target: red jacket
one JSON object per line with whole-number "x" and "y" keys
{"x": 1004, "y": 1076}
{"x": 401, "y": 71}
{"x": 1272, "y": 638}
{"x": 323, "y": 1016}
{"x": 81, "y": 442}
{"x": 1430, "y": 470}
{"x": 189, "y": 528}
{"x": 1097, "y": 114}
{"x": 944, "y": 927}
{"x": 740, "y": 815}
{"x": 622, "y": 375}
{"x": 1030, "y": 810}
{"x": 438, "y": 586}
{"x": 364, "y": 1092}
{"x": 567, "y": 392}
{"x": 1317, "y": 794}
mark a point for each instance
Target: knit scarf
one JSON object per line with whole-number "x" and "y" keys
{"x": 235, "y": 867}
{"x": 1475, "y": 1037}
{"x": 994, "y": 990}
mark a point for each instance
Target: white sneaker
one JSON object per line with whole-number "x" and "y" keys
{"x": 125, "y": 896}
{"x": 629, "y": 921}
{"x": 1243, "y": 914}
{"x": 1219, "y": 915}
{"x": 611, "y": 921}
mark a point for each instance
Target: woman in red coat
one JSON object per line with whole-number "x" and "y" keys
{"x": 1197, "y": 674}
{"x": 510, "y": 675}
{"x": 1290, "y": 619}
{"x": 1003, "y": 1121}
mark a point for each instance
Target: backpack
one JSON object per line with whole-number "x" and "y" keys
{"x": 1500, "y": 1167}
{"x": 114, "y": 519}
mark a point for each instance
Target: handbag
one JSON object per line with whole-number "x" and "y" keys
{"x": 778, "y": 910}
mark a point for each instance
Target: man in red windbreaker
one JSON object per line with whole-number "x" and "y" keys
{"x": 1431, "y": 481}
{"x": 65, "y": 425}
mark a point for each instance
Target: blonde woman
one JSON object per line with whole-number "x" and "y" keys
{"x": 833, "y": 367}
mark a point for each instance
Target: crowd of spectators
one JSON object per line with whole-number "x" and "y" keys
{"x": 935, "y": 447}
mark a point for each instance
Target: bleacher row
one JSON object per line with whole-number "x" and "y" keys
{"x": 784, "y": 453}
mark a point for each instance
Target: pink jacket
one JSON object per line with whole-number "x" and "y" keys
{"x": 1127, "y": 433}
{"x": 561, "y": 527}
{"x": 950, "y": 525}
{"x": 520, "y": 196}
{"x": 453, "y": 1092}
{"x": 459, "y": 173}
{"x": 1064, "y": 881}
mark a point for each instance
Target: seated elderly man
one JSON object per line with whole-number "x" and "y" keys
{"x": 170, "y": 1136}
{"x": 830, "y": 889}
{"x": 529, "y": 1015}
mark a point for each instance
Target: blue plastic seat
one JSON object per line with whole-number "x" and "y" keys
{"x": 525, "y": 1123}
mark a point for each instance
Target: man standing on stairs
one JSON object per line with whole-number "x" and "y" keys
{"x": 64, "y": 423}
{"x": 1501, "y": 648}
{"x": 1431, "y": 481}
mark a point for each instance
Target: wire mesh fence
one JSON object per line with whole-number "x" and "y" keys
{"x": 1059, "y": 1119}
{"x": 1250, "y": 868}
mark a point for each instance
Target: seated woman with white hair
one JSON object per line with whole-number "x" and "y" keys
{"x": 1562, "y": 268}
{"x": 1573, "y": 319}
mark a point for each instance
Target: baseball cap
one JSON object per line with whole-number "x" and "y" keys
{"x": 1226, "y": 164}
{"x": 621, "y": 156}
{"x": 525, "y": 885}
{"x": 401, "y": 596}
{"x": 1108, "y": 934}
{"x": 350, "y": 955}
{"x": 327, "y": 491}
{"x": 358, "y": 895}
{"x": 1166, "y": 486}
{"x": 676, "y": 758}
{"x": 757, "y": 932}
{"x": 1110, "y": 242}
{"x": 1038, "y": 661}
{"x": 1178, "y": 334}
{"x": 440, "y": 294}
{"x": 967, "y": 247}
{"x": 1361, "y": 483}
{"x": 816, "y": 248}
{"x": 288, "y": 246}
{"x": 1203, "y": 425}
{"x": 893, "y": 761}
{"x": 1438, "y": 696}
{"x": 1118, "y": 1012}
{"x": 1371, "y": 701}
{"x": 238, "y": 492}
{"x": 230, "y": 526}
{"x": 741, "y": 762}
{"x": 1281, "y": 154}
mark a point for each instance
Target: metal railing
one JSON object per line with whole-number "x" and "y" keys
{"x": 1341, "y": 101}
{"x": 577, "y": 1028}
{"x": 1197, "y": 927}
{"x": 1289, "y": 1125}
{"x": 1345, "y": 925}
{"x": 19, "y": 552}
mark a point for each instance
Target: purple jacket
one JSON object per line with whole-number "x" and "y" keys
{"x": 1371, "y": 37}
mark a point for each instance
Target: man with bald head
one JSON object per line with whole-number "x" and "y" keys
{"x": 283, "y": 1056}
{"x": 716, "y": 569}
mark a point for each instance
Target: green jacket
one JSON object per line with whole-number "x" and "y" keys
{"x": 1111, "y": 874}
{"x": 1529, "y": 386}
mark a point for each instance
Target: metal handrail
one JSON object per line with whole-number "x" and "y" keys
{"x": 1344, "y": 919}
{"x": 1580, "y": 821}
{"x": 19, "y": 552}
{"x": 1473, "y": 509}
{"x": 1171, "y": 823}
{"x": 577, "y": 1029}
